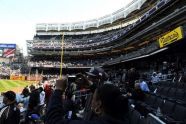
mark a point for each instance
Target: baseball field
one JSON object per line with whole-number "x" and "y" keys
{"x": 14, "y": 85}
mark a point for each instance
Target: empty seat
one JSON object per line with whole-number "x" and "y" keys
{"x": 165, "y": 83}
{"x": 142, "y": 120}
{"x": 135, "y": 117}
{"x": 131, "y": 109}
{"x": 184, "y": 87}
{"x": 167, "y": 107}
{"x": 171, "y": 93}
{"x": 173, "y": 85}
{"x": 184, "y": 98}
{"x": 165, "y": 92}
{"x": 179, "y": 113}
{"x": 180, "y": 85}
{"x": 158, "y": 103}
{"x": 179, "y": 94}
{"x": 150, "y": 99}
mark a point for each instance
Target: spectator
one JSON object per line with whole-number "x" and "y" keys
{"x": 41, "y": 96}
{"x": 9, "y": 114}
{"x": 143, "y": 86}
{"x": 131, "y": 77}
{"x": 25, "y": 93}
{"x": 95, "y": 77}
{"x": 137, "y": 94}
{"x": 108, "y": 104}
{"x": 165, "y": 68}
{"x": 48, "y": 91}
{"x": 34, "y": 98}
{"x": 155, "y": 78}
{"x": 19, "y": 98}
{"x": 124, "y": 76}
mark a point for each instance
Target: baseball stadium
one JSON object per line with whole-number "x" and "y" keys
{"x": 127, "y": 67}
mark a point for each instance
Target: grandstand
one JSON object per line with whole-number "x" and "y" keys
{"x": 144, "y": 35}
{"x": 121, "y": 37}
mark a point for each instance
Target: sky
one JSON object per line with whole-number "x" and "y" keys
{"x": 18, "y": 18}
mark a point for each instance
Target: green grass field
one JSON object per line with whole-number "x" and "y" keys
{"x": 14, "y": 85}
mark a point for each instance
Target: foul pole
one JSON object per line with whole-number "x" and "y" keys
{"x": 62, "y": 53}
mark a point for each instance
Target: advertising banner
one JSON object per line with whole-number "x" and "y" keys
{"x": 171, "y": 37}
{"x": 17, "y": 77}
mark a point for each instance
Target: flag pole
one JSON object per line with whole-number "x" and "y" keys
{"x": 61, "y": 67}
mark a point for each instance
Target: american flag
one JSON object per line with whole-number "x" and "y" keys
{"x": 8, "y": 53}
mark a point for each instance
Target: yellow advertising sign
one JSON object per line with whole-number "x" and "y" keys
{"x": 171, "y": 37}
{"x": 17, "y": 77}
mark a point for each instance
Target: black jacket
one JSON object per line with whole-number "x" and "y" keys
{"x": 34, "y": 99}
{"x": 55, "y": 112}
{"x": 10, "y": 115}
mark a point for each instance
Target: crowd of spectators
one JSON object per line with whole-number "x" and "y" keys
{"x": 74, "y": 63}
{"x": 77, "y": 41}
{"x": 6, "y": 70}
{"x": 99, "y": 61}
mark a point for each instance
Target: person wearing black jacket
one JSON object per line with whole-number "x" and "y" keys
{"x": 9, "y": 114}
{"x": 108, "y": 104}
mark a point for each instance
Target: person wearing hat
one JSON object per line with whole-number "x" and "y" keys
{"x": 95, "y": 78}
{"x": 9, "y": 114}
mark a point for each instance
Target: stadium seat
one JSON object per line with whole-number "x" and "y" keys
{"x": 160, "y": 4}
{"x": 179, "y": 113}
{"x": 135, "y": 117}
{"x": 150, "y": 99}
{"x": 159, "y": 91}
{"x": 165, "y": 92}
{"x": 168, "y": 107}
{"x": 172, "y": 85}
{"x": 171, "y": 93}
{"x": 142, "y": 120}
{"x": 180, "y": 85}
{"x": 180, "y": 94}
{"x": 158, "y": 103}
{"x": 151, "y": 11}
